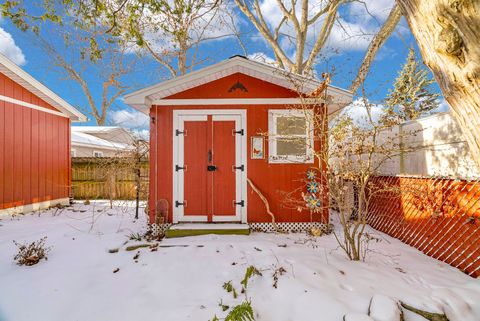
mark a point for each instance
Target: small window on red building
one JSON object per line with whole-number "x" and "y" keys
{"x": 290, "y": 138}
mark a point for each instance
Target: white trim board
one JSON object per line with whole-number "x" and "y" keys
{"x": 32, "y": 106}
{"x": 23, "y": 209}
{"x": 24, "y": 79}
{"x": 241, "y": 158}
{"x": 235, "y": 101}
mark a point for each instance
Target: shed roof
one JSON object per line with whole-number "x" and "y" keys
{"x": 98, "y": 129}
{"x": 144, "y": 98}
{"x": 87, "y": 140}
{"x": 21, "y": 77}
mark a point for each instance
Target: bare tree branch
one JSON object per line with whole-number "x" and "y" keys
{"x": 377, "y": 42}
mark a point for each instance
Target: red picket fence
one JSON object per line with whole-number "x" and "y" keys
{"x": 438, "y": 216}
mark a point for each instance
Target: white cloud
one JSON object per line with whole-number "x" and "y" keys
{"x": 211, "y": 25}
{"x": 443, "y": 106}
{"x": 10, "y": 49}
{"x": 353, "y": 30}
{"x": 346, "y": 36}
{"x": 134, "y": 120}
{"x": 357, "y": 110}
{"x": 263, "y": 58}
{"x": 371, "y": 9}
{"x": 141, "y": 133}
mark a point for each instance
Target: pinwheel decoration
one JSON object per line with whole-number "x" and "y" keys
{"x": 313, "y": 202}
{"x": 311, "y": 174}
{"x": 312, "y": 187}
{"x": 311, "y": 198}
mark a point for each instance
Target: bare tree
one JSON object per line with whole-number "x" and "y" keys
{"x": 377, "y": 42}
{"x": 352, "y": 154}
{"x": 170, "y": 32}
{"x": 137, "y": 156}
{"x": 109, "y": 70}
{"x": 173, "y": 32}
{"x": 303, "y": 17}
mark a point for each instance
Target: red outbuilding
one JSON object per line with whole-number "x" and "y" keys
{"x": 34, "y": 142}
{"x": 208, "y": 137}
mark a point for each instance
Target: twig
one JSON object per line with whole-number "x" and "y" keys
{"x": 267, "y": 205}
{"x": 427, "y": 315}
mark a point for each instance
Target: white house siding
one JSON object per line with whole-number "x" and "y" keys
{"x": 81, "y": 151}
{"x": 439, "y": 149}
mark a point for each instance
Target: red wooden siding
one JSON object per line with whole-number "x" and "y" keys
{"x": 440, "y": 217}
{"x": 272, "y": 179}
{"x": 222, "y": 88}
{"x": 34, "y": 150}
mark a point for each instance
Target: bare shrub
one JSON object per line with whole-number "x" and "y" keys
{"x": 347, "y": 155}
{"x": 32, "y": 253}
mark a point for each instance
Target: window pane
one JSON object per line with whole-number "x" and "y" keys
{"x": 291, "y": 125}
{"x": 291, "y": 146}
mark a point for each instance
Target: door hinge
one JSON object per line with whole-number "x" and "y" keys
{"x": 241, "y": 132}
{"x": 177, "y": 203}
{"x": 177, "y": 168}
{"x": 179, "y": 132}
{"x": 242, "y": 167}
{"x": 241, "y": 203}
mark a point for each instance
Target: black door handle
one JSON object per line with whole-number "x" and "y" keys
{"x": 211, "y": 168}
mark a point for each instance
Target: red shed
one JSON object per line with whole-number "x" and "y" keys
{"x": 206, "y": 140}
{"x": 34, "y": 142}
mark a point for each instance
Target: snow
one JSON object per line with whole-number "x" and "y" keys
{"x": 94, "y": 129}
{"x": 383, "y": 308}
{"x": 90, "y": 140}
{"x": 357, "y": 317}
{"x": 183, "y": 279}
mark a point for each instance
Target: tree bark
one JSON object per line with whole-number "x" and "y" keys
{"x": 447, "y": 35}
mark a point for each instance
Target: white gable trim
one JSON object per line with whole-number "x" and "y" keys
{"x": 24, "y": 79}
{"x": 144, "y": 98}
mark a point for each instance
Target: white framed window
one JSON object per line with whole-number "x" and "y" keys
{"x": 73, "y": 153}
{"x": 290, "y": 138}
{"x": 97, "y": 153}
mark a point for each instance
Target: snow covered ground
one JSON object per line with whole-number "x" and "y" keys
{"x": 184, "y": 282}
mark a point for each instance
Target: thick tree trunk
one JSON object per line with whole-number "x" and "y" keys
{"x": 447, "y": 34}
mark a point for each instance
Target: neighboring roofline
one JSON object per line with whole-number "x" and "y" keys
{"x": 126, "y": 148}
{"x": 140, "y": 98}
{"x": 95, "y": 142}
{"x": 102, "y": 129}
{"x": 439, "y": 114}
{"x": 20, "y": 76}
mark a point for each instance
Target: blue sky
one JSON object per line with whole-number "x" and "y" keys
{"x": 343, "y": 55}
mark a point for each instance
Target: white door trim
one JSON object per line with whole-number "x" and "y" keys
{"x": 179, "y": 116}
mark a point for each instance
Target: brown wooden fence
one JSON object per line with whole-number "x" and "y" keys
{"x": 102, "y": 178}
{"x": 438, "y": 216}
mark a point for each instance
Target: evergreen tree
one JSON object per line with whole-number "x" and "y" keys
{"x": 412, "y": 95}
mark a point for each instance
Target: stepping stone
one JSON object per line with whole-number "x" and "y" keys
{"x": 193, "y": 229}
